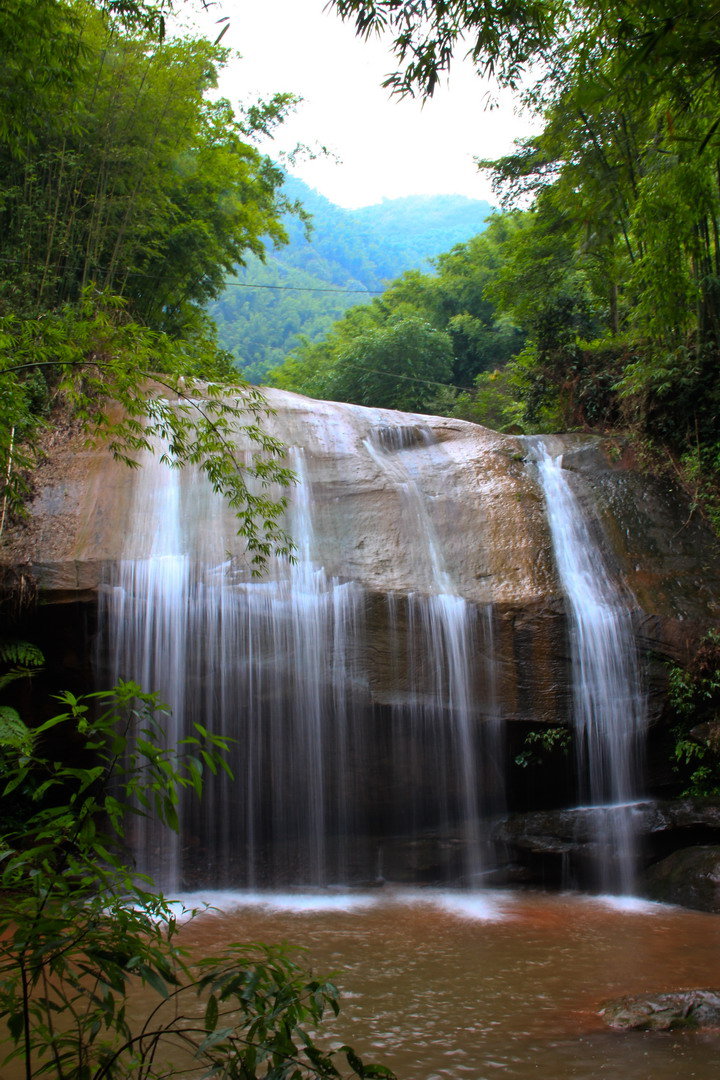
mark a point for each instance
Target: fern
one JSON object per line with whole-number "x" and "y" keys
{"x": 26, "y": 660}
{"x": 21, "y": 653}
{"x": 14, "y": 734}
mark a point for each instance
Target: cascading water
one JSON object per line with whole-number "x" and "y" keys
{"x": 267, "y": 664}
{"x": 325, "y": 780}
{"x": 149, "y": 609}
{"x": 459, "y": 712}
{"x": 608, "y": 701}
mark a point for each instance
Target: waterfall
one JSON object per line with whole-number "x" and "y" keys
{"x": 608, "y": 702}
{"x": 329, "y": 785}
{"x": 456, "y": 708}
{"x": 267, "y": 664}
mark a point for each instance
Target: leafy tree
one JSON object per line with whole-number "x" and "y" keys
{"x": 455, "y": 301}
{"x": 673, "y": 45}
{"x": 394, "y": 366}
{"x": 613, "y": 274}
{"x": 79, "y": 931}
{"x": 97, "y": 362}
{"x": 694, "y": 700}
{"x": 482, "y": 338}
{"x": 502, "y": 37}
{"x": 129, "y": 178}
{"x": 300, "y": 290}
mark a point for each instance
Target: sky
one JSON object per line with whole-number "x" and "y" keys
{"x": 382, "y": 147}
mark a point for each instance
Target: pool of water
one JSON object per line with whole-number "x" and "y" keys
{"x": 453, "y": 986}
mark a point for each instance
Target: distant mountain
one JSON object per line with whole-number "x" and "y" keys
{"x": 302, "y": 288}
{"x": 425, "y": 225}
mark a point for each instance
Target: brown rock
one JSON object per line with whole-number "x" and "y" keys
{"x": 481, "y": 502}
{"x": 690, "y": 877}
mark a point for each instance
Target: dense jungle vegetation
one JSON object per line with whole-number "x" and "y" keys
{"x": 127, "y": 195}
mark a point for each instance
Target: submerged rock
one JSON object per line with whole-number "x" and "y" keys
{"x": 690, "y": 877}
{"x": 664, "y": 1012}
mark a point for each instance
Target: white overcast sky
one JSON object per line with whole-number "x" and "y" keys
{"x": 387, "y": 147}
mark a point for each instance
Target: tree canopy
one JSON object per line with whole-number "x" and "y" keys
{"x": 300, "y": 289}
{"x": 426, "y": 330}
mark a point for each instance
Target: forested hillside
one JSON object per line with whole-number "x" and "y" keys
{"x": 426, "y": 333}
{"x": 301, "y": 288}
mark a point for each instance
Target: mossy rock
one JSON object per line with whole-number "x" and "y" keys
{"x": 691, "y": 1009}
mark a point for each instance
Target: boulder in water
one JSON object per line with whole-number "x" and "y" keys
{"x": 664, "y": 1012}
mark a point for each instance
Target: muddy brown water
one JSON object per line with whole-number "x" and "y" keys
{"x": 443, "y": 986}
{"x": 494, "y": 986}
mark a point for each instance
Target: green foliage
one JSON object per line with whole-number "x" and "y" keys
{"x": 392, "y": 366}
{"x": 127, "y": 177}
{"x": 23, "y": 657}
{"x": 259, "y": 325}
{"x": 543, "y": 742}
{"x": 79, "y": 931}
{"x": 622, "y": 244}
{"x": 502, "y": 37}
{"x": 128, "y": 193}
{"x": 694, "y": 698}
{"x": 24, "y": 660}
{"x": 493, "y": 403}
{"x": 700, "y": 467}
{"x": 614, "y": 274}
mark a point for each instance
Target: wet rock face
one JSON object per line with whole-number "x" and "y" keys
{"x": 689, "y": 1009}
{"x": 680, "y": 846}
{"x": 689, "y": 877}
{"x": 665, "y": 555}
{"x": 359, "y": 462}
{"x": 400, "y": 513}
{"x": 483, "y": 504}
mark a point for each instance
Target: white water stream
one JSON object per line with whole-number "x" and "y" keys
{"x": 608, "y": 701}
{"x": 459, "y": 638}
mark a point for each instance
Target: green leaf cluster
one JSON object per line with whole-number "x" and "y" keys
{"x": 128, "y": 193}
{"x": 126, "y": 384}
{"x": 544, "y": 741}
{"x": 119, "y": 170}
{"x": 614, "y": 273}
{"x": 694, "y": 700}
{"x": 299, "y": 290}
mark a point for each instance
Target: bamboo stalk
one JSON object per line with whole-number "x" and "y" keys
{"x": 8, "y": 471}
